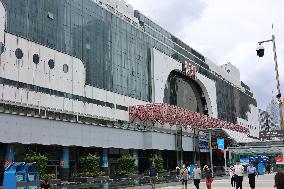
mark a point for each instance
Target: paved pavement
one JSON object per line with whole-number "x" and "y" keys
{"x": 262, "y": 182}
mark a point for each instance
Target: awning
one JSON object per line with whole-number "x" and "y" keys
{"x": 173, "y": 115}
{"x": 239, "y": 137}
{"x": 30, "y": 130}
{"x": 271, "y": 149}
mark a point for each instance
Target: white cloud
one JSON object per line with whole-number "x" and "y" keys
{"x": 227, "y": 30}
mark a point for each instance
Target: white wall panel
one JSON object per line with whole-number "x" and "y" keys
{"x": 208, "y": 87}
{"x": 1, "y": 90}
{"x": 2, "y": 21}
{"x": 45, "y": 100}
{"x": 67, "y": 105}
{"x": 122, "y": 115}
{"x": 6, "y": 92}
{"x": 161, "y": 65}
{"x": 88, "y": 109}
{"x": 88, "y": 91}
{"x": 73, "y": 82}
{"x": 26, "y": 71}
{"x": 24, "y": 96}
{"x": 95, "y": 110}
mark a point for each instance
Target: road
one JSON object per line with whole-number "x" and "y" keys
{"x": 262, "y": 182}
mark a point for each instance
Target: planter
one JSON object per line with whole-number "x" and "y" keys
{"x": 82, "y": 179}
{"x": 101, "y": 178}
{"x": 54, "y": 181}
{"x": 133, "y": 176}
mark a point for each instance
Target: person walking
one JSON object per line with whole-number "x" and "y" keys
{"x": 279, "y": 181}
{"x": 208, "y": 176}
{"x": 239, "y": 174}
{"x": 232, "y": 176}
{"x": 184, "y": 176}
{"x": 177, "y": 171}
{"x": 45, "y": 184}
{"x": 153, "y": 173}
{"x": 196, "y": 176}
{"x": 251, "y": 170}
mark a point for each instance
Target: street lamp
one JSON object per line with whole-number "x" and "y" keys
{"x": 260, "y": 53}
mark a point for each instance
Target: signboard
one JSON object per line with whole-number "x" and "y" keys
{"x": 189, "y": 69}
{"x": 220, "y": 143}
{"x": 203, "y": 144}
{"x": 244, "y": 161}
{"x": 279, "y": 160}
{"x": 271, "y": 134}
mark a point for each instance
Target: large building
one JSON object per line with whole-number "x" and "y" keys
{"x": 266, "y": 122}
{"x": 273, "y": 110}
{"x": 80, "y": 76}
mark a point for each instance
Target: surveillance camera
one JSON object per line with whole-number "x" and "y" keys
{"x": 260, "y": 51}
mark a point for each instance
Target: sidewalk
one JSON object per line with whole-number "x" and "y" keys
{"x": 157, "y": 185}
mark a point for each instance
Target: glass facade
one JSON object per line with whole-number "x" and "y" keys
{"x": 116, "y": 54}
{"x": 185, "y": 93}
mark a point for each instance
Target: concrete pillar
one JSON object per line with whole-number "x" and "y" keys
{"x": 136, "y": 157}
{"x": 64, "y": 164}
{"x": 104, "y": 161}
{"x": 9, "y": 157}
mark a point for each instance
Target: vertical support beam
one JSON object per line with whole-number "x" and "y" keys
{"x": 136, "y": 157}
{"x": 225, "y": 158}
{"x": 64, "y": 164}
{"x": 179, "y": 148}
{"x": 211, "y": 153}
{"x": 9, "y": 157}
{"x": 104, "y": 161}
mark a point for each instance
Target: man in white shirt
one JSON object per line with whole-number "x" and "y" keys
{"x": 239, "y": 174}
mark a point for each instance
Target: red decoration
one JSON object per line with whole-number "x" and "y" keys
{"x": 173, "y": 115}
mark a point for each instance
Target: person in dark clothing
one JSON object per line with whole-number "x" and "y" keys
{"x": 268, "y": 168}
{"x": 208, "y": 176}
{"x": 279, "y": 181}
{"x": 232, "y": 176}
{"x": 251, "y": 170}
{"x": 239, "y": 174}
{"x": 153, "y": 173}
{"x": 45, "y": 184}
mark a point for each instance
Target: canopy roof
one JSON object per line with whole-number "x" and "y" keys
{"x": 173, "y": 115}
{"x": 257, "y": 149}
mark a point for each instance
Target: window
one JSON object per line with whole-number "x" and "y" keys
{"x": 51, "y": 64}
{"x": 65, "y": 68}
{"x": 36, "y": 58}
{"x": 19, "y": 53}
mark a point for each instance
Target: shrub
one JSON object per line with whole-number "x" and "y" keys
{"x": 40, "y": 162}
{"x": 159, "y": 162}
{"x": 89, "y": 166}
{"x": 48, "y": 176}
{"x": 126, "y": 165}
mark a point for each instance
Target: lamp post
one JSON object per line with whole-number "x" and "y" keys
{"x": 260, "y": 53}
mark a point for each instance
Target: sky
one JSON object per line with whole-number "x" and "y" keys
{"x": 228, "y": 31}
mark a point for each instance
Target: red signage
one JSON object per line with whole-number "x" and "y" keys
{"x": 279, "y": 160}
{"x": 189, "y": 69}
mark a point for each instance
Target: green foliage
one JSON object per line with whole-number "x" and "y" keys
{"x": 40, "y": 162}
{"x": 89, "y": 166}
{"x": 159, "y": 162}
{"x": 48, "y": 176}
{"x": 126, "y": 165}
